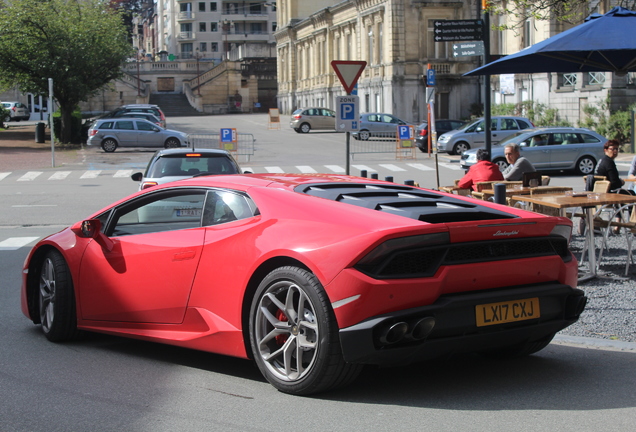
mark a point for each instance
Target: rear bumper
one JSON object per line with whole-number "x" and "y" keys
{"x": 455, "y": 329}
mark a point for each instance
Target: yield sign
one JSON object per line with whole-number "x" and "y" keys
{"x": 348, "y": 72}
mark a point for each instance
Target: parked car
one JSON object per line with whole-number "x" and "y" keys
{"x": 441, "y": 127}
{"x": 305, "y": 119}
{"x": 311, "y": 275}
{"x": 472, "y": 136}
{"x": 138, "y": 108}
{"x": 17, "y": 111}
{"x": 558, "y": 148}
{"x": 110, "y": 133}
{"x": 177, "y": 164}
{"x": 146, "y": 116}
{"x": 378, "y": 125}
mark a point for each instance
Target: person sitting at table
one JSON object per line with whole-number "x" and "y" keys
{"x": 607, "y": 167}
{"x": 518, "y": 164}
{"x": 631, "y": 174}
{"x": 483, "y": 170}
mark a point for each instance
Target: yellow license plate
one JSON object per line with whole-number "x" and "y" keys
{"x": 505, "y": 312}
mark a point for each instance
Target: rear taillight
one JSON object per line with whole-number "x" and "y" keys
{"x": 297, "y": 116}
{"x": 14, "y": 109}
{"x": 147, "y": 184}
{"x": 423, "y": 132}
{"x": 93, "y": 132}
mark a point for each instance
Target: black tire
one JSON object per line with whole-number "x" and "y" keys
{"x": 520, "y": 350}
{"x": 56, "y": 299}
{"x": 305, "y": 128}
{"x": 502, "y": 163}
{"x": 172, "y": 142}
{"x": 585, "y": 165}
{"x": 297, "y": 130}
{"x": 364, "y": 135}
{"x": 277, "y": 335}
{"x": 460, "y": 147}
{"x": 109, "y": 145}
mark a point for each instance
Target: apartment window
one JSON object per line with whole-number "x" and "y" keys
{"x": 527, "y": 33}
{"x": 274, "y": 26}
{"x": 380, "y": 43}
{"x": 203, "y": 46}
{"x": 186, "y": 50}
{"x": 567, "y": 79}
{"x": 594, "y": 78}
{"x": 214, "y": 27}
{"x": 201, "y": 6}
{"x": 370, "y": 45}
{"x": 214, "y": 47}
{"x": 202, "y": 27}
{"x": 256, "y": 28}
{"x": 212, "y": 6}
{"x": 255, "y": 8}
{"x": 437, "y": 50}
{"x": 348, "y": 48}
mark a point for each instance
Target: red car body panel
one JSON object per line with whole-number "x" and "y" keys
{"x": 188, "y": 287}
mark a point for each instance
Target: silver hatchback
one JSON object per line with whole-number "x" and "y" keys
{"x": 17, "y": 111}
{"x": 111, "y": 133}
{"x": 306, "y": 119}
{"x": 472, "y": 135}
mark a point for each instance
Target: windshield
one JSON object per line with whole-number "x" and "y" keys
{"x": 511, "y": 138}
{"x": 188, "y": 166}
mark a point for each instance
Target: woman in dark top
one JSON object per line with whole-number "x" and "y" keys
{"x": 607, "y": 167}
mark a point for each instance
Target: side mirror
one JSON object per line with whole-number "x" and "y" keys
{"x": 479, "y": 129}
{"x": 137, "y": 176}
{"x": 247, "y": 172}
{"x": 92, "y": 228}
{"x": 523, "y": 144}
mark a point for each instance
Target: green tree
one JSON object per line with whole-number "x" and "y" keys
{"x": 80, "y": 44}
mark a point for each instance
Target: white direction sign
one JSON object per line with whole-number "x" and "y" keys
{"x": 347, "y": 113}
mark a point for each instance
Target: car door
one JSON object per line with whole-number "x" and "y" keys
{"x": 148, "y": 135}
{"x": 477, "y": 138}
{"x": 505, "y": 128}
{"x": 564, "y": 150}
{"x": 535, "y": 149}
{"x": 125, "y": 132}
{"x": 147, "y": 276}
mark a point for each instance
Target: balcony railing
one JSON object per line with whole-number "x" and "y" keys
{"x": 187, "y": 35}
{"x": 185, "y": 16}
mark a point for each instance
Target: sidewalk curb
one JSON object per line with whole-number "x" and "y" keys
{"x": 613, "y": 345}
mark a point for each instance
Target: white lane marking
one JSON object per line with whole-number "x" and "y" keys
{"x": 364, "y": 167}
{"x": 392, "y": 167}
{"x": 421, "y": 167}
{"x": 33, "y": 205}
{"x": 335, "y": 168}
{"x": 4, "y": 175}
{"x": 306, "y": 169}
{"x": 274, "y": 170}
{"x": 455, "y": 167}
{"x": 91, "y": 174}
{"x": 14, "y": 243}
{"x": 60, "y": 175}
{"x": 30, "y": 176}
{"x": 123, "y": 173}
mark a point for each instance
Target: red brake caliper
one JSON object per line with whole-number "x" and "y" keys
{"x": 281, "y": 339}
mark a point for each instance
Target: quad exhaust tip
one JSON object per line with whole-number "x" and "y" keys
{"x": 412, "y": 331}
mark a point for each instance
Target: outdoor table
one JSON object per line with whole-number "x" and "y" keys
{"x": 526, "y": 190}
{"x": 587, "y": 201}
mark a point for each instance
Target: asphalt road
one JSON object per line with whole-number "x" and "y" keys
{"x": 105, "y": 383}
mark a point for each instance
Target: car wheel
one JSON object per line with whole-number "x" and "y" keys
{"x": 56, "y": 299}
{"x": 460, "y": 148}
{"x": 501, "y": 163}
{"x": 172, "y": 143}
{"x": 109, "y": 145}
{"x": 305, "y": 128}
{"x": 520, "y": 350}
{"x": 585, "y": 165}
{"x": 294, "y": 334}
{"x": 364, "y": 135}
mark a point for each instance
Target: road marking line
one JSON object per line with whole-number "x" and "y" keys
{"x": 33, "y": 205}
{"x": 14, "y": 243}
{"x": 392, "y": 167}
{"x": 4, "y": 175}
{"x": 335, "y": 168}
{"x": 91, "y": 174}
{"x": 123, "y": 173}
{"x": 274, "y": 170}
{"x": 421, "y": 167}
{"x": 455, "y": 167}
{"x": 306, "y": 169}
{"x": 364, "y": 167}
{"x": 30, "y": 176}
{"x": 60, "y": 175}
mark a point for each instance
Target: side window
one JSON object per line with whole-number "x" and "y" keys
{"x": 223, "y": 206}
{"x": 124, "y": 125}
{"x": 167, "y": 211}
{"x": 557, "y": 139}
{"x": 493, "y": 124}
{"x": 570, "y": 138}
{"x": 508, "y": 124}
{"x": 145, "y": 126}
{"x": 587, "y": 138}
{"x": 106, "y": 125}
{"x": 523, "y": 124}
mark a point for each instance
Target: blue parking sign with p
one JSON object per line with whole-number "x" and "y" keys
{"x": 404, "y": 132}
{"x": 348, "y": 111}
{"x": 228, "y": 135}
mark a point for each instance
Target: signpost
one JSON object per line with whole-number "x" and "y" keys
{"x": 458, "y": 30}
{"x": 468, "y": 49}
{"x": 348, "y": 111}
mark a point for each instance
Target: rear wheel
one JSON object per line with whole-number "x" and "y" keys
{"x": 305, "y": 128}
{"x": 585, "y": 165}
{"x": 56, "y": 299}
{"x": 460, "y": 148}
{"x": 364, "y": 135}
{"x": 172, "y": 143}
{"x": 109, "y": 145}
{"x": 294, "y": 334}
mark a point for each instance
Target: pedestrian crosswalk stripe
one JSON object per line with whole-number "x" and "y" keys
{"x": 30, "y": 176}
{"x": 14, "y": 243}
{"x": 421, "y": 167}
{"x": 306, "y": 169}
{"x": 60, "y": 175}
{"x": 392, "y": 167}
{"x": 364, "y": 167}
{"x": 335, "y": 168}
{"x": 91, "y": 174}
{"x": 274, "y": 170}
{"x": 4, "y": 174}
{"x": 123, "y": 173}
{"x": 451, "y": 166}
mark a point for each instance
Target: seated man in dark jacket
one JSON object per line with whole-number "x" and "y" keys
{"x": 483, "y": 170}
{"x": 607, "y": 167}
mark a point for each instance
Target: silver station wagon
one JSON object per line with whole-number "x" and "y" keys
{"x": 111, "y": 133}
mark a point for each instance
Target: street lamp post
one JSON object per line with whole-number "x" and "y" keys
{"x": 138, "y": 80}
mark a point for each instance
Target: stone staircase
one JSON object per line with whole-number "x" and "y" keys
{"x": 174, "y": 104}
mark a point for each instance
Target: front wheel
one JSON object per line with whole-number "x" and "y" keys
{"x": 172, "y": 143}
{"x": 585, "y": 165}
{"x": 294, "y": 334}
{"x": 305, "y": 128}
{"x": 109, "y": 145}
{"x": 501, "y": 163}
{"x": 56, "y": 299}
{"x": 460, "y": 148}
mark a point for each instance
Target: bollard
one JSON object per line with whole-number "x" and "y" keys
{"x": 39, "y": 133}
{"x": 363, "y": 173}
{"x": 500, "y": 193}
{"x": 374, "y": 176}
{"x": 409, "y": 182}
{"x": 389, "y": 179}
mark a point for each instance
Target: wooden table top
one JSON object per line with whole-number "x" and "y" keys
{"x": 580, "y": 199}
{"x": 526, "y": 190}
